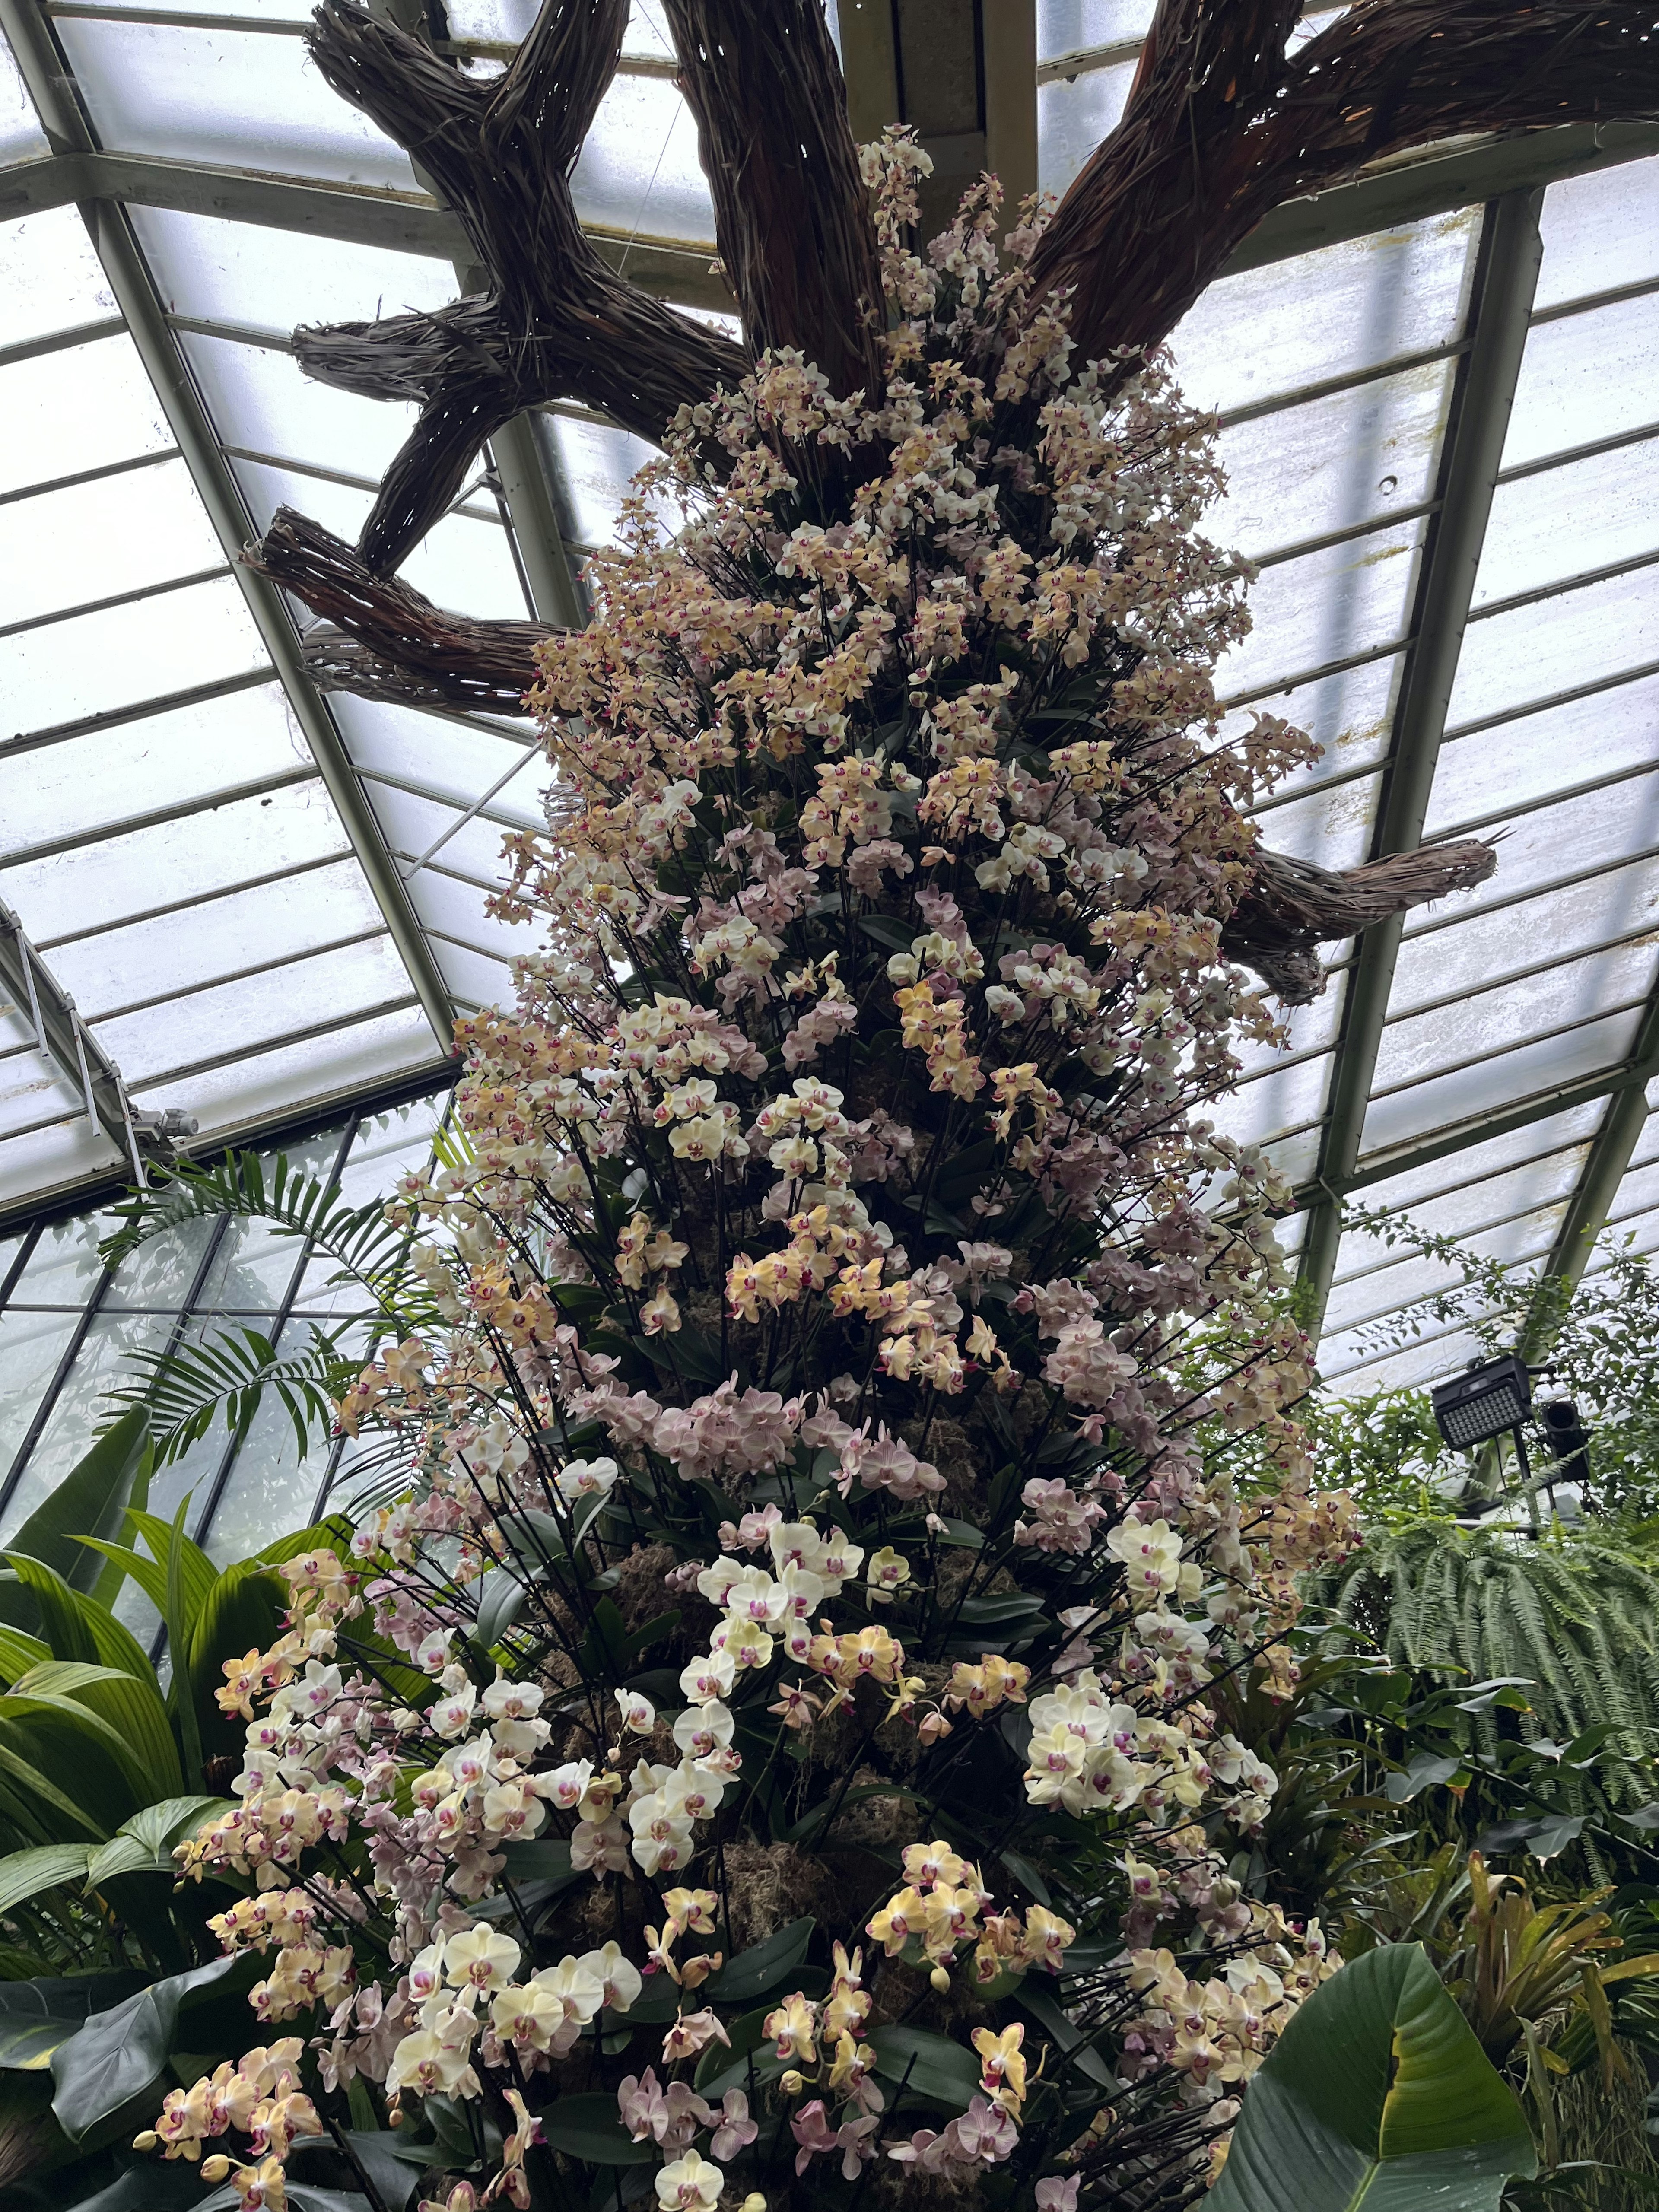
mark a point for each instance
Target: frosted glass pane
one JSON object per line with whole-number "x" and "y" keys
{"x": 21, "y": 138}
{"x": 411, "y": 825}
{"x": 63, "y": 548}
{"x": 597, "y": 466}
{"x": 176, "y": 860}
{"x": 225, "y": 96}
{"x": 1561, "y": 922}
{"x": 1311, "y": 1029}
{"x": 472, "y": 979}
{"x": 1534, "y": 652}
{"x": 353, "y": 1055}
{"x": 260, "y": 400}
{"x": 1073, "y": 115}
{"x": 243, "y": 1016}
{"x": 638, "y": 171}
{"x": 49, "y": 277}
{"x": 102, "y": 662}
{"x": 1498, "y": 1082}
{"x": 1346, "y": 307}
{"x": 32, "y": 1088}
{"x": 1421, "y": 1188}
{"x": 1331, "y": 462}
{"x": 33, "y": 1166}
{"x": 1468, "y": 1212}
{"x": 100, "y": 1365}
{"x": 65, "y": 790}
{"x": 1064, "y": 27}
{"x": 1600, "y": 231}
{"x": 1417, "y": 1044}
{"x": 1590, "y": 514}
{"x": 76, "y": 410}
{"x": 269, "y": 1491}
{"x": 237, "y": 272}
{"x": 1286, "y": 1101}
{"x": 1357, "y": 1371}
{"x": 1331, "y": 828}
{"x": 1323, "y": 607}
{"x": 160, "y": 1273}
{"x": 1587, "y": 377}
{"x": 462, "y": 763}
{"x": 1513, "y": 762}
{"x": 178, "y": 951}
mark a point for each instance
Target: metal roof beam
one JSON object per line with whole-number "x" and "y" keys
{"x": 63, "y": 1038}
{"x": 1590, "y": 1208}
{"x": 51, "y": 85}
{"x": 1511, "y": 252}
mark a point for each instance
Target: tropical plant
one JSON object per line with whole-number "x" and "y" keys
{"x": 1570, "y": 1621}
{"x": 820, "y": 1533}
{"x": 105, "y": 1959}
{"x": 1377, "y": 2093}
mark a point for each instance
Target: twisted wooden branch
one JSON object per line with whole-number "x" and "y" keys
{"x": 1293, "y": 905}
{"x": 1220, "y": 128}
{"x": 791, "y": 213}
{"x": 557, "y": 321}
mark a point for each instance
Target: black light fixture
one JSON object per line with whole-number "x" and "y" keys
{"x": 1568, "y": 1438}
{"x": 1491, "y": 1400}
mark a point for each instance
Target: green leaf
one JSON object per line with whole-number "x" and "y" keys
{"x": 52, "y": 1689}
{"x": 12, "y": 1763}
{"x": 178, "y": 1615}
{"x": 944, "y": 2072}
{"x": 122, "y": 2051}
{"x": 90, "y": 1499}
{"x": 764, "y": 1964}
{"x": 144, "y": 1844}
{"x": 26, "y": 1873}
{"x": 1377, "y": 2092}
{"x": 36, "y": 2017}
{"x": 392, "y": 2177}
{"x": 18, "y": 1653}
{"x": 124, "y": 1690}
{"x": 243, "y": 1611}
{"x": 588, "y": 2127}
{"x": 897, "y": 936}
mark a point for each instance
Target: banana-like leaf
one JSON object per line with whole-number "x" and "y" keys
{"x": 18, "y": 1653}
{"x": 122, "y": 2051}
{"x": 37, "y": 1787}
{"x": 197, "y": 1572}
{"x": 242, "y": 1613}
{"x": 127, "y": 1695}
{"x": 90, "y": 1500}
{"x": 1377, "y": 2093}
{"x": 54, "y": 1689}
{"x": 24, "y": 1875}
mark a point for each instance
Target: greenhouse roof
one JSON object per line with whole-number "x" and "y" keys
{"x": 225, "y": 893}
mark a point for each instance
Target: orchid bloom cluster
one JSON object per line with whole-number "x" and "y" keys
{"x": 824, "y": 1341}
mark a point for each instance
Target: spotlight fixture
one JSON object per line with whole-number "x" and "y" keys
{"x": 1568, "y": 1438}
{"x": 1493, "y": 1398}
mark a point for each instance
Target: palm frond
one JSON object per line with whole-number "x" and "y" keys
{"x": 186, "y": 1388}
{"x": 368, "y": 1249}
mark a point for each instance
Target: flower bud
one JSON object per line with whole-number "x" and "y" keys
{"x": 217, "y": 2167}
{"x": 793, "y": 2083}
{"x": 940, "y": 1978}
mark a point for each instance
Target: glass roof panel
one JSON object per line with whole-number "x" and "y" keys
{"x": 21, "y": 138}
{"x": 1600, "y": 231}
{"x": 98, "y": 664}
{"x": 1587, "y": 376}
{"x": 77, "y": 786}
{"x": 212, "y": 94}
{"x": 1074, "y": 115}
{"x": 93, "y": 540}
{"x": 49, "y": 279}
{"x": 351, "y": 1055}
{"x": 98, "y": 393}
{"x": 1515, "y": 763}
{"x": 1564, "y": 521}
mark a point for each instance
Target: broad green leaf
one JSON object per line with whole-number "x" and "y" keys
{"x": 90, "y": 1500}
{"x": 242, "y": 1613}
{"x": 197, "y": 1571}
{"x": 36, "y": 2017}
{"x": 932, "y": 2066}
{"x": 26, "y": 1873}
{"x": 122, "y": 2051}
{"x": 76, "y": 1692}
{"x": 178, "y": 1614}
{"x": 1377, "y": 2093}
{"x": 159, "y": 1827}
{"x": 588, "y": 2127}
{"x": 757, "y": 1969}
{"x": 19, "y": 1770}
{"x": 126, "y": 1696}
{"x": 19, "y": 1652}
{"x": 377, "y": 2151}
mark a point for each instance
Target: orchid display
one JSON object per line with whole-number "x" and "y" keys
{"x": 762, "y": 1753}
